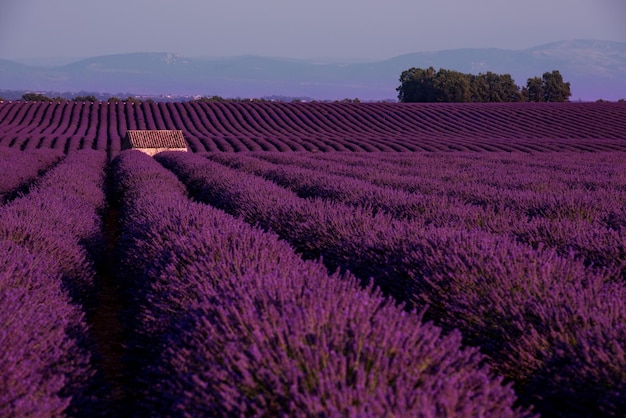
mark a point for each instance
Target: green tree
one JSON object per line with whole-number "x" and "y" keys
{"x": 35, "y": 97}
{"x": 89, "y": 98}
{"x": 451, "y": 86}
{"x": 417, "y": 85}
{"x": 492, "y": 87}
{"x": 554, "y": 88}
{"x": 549, "y": 88}
{"x": 534, "y": 90}
{"x": 206, "y": 99}
{"x": 114, "y": 99}
{"x": 428, "y": 85}
{"x": 131, "y": 99}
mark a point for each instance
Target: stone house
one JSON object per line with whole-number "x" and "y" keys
{"x": 154, "y": 141}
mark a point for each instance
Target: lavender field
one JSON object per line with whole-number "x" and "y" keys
{"x": 314, "y": 259}
{"x": 319, "y": 126}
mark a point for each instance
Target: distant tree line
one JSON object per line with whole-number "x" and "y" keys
{"x": 38, "y": 97}
{"x": 129, "y": 99}
{"x": 417, "y": 85}
{"x": 429, "y": 85}
{"x": 213, "y": 99}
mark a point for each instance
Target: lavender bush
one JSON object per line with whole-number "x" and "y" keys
{"x": 20, "y": 168}
{"x": 60, "y": 216}
{"x": 41, "y": 362}
{"x": 48, "y": 343}
{"x": 537, "y": 316}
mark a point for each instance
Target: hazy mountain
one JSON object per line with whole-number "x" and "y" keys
{"x": 595, "y": 69}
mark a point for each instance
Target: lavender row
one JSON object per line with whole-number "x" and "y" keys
{"x": 532, "y": 172}
{"x": 593, "y": 184}
{"x": 582, "y": 211}
{"x": 19, "y": 169}
{"x": 46, "y": 285}
{"x": 42, "y": 362}
{"x": 234, "y": 323}
{"x": 427, "y": 209}
{"x": 530, "y": 310}
{"x": 575, "y": 202}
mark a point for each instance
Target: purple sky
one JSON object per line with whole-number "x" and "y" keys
{"x": 327, "y": 29}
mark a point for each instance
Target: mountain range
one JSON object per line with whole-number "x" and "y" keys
{"x": 595, "y": 69}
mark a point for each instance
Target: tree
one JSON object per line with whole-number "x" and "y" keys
{"x": 554, "y": 88}
{"x": 534, "y": 90}
{"x": 89, "y": 98}
{"x": 416, "y": 85}
{"x": 206, "y": 99}
{"x": 35, "y": 97}
{"x": 451, "y": 86}
{"x": 428, "y": 85}
{"x": 492, "y": 87}
{"x": 549, "y": 88}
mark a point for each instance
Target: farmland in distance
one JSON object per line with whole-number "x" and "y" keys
{"x": 320, "y": 127}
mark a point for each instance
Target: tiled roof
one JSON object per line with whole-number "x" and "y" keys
{"x": 155, "y": 139}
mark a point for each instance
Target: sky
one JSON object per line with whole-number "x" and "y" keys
{"x": 340, "y": 30}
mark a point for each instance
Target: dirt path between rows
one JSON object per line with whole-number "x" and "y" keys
{"x": 105, "y": 322}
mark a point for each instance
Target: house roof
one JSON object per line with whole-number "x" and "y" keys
{"x": 156, "y": 139}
